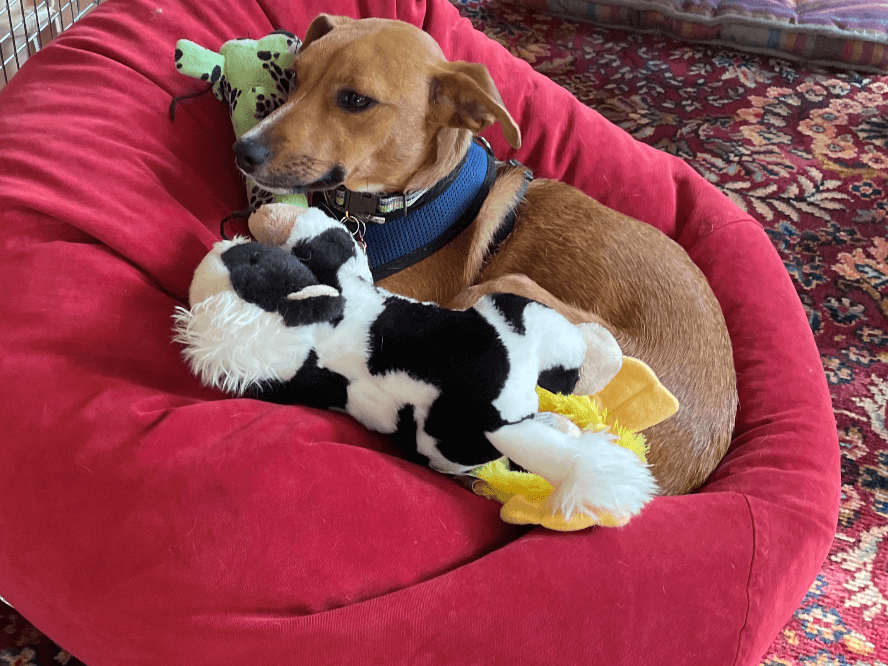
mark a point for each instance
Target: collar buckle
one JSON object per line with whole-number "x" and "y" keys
{"x": 360, "y": 204}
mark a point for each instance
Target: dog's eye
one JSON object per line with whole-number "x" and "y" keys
{"x": 353, "y": 102}
{"x": 292, "y": 80}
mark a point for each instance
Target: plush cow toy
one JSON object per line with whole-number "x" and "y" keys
{"x": 303, "y": 323}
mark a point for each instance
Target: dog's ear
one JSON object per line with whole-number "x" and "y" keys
{"x": 323, "y": 24}
{"x": 314, "y": 304}
{"x": 463, "y": 95}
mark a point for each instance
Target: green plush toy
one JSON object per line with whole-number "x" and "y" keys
{"x": 254, "y": 78}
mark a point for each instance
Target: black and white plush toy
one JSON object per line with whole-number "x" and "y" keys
{"x": 303, "y": 323}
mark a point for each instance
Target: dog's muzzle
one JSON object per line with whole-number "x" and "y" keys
{"x": 253, "y": 157}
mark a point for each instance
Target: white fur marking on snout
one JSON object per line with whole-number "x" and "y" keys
{"x": 313, "y": 290}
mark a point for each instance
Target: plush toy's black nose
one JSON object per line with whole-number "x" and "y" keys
{"x": 250, "y": 154}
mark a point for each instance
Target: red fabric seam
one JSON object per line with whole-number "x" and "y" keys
{"x": 748, "y": 580}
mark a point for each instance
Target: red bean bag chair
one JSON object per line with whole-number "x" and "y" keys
{"x": 148, "y": 520}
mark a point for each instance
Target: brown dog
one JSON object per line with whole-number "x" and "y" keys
{"x": 377, "y": 108}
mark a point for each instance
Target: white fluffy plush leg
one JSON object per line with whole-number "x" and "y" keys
{"x": 588, "y": 472}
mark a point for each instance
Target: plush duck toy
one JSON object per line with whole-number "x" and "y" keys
{"x": 630, "y": 402}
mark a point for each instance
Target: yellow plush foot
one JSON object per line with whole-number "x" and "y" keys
{"x": 519, "y": 510}
{"x": 635, "y": 398}
{"x": 525, "y": 500}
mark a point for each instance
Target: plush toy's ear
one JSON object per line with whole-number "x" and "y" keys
{"x": 313, "y": 290}
{"x": 314, "y": 304}
{"x": 323, "y": 24}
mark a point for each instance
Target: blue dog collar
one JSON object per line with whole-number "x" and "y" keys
{"x": 401, "y": 241}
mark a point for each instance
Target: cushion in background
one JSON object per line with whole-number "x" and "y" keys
{"x": 843, "y": 33}
{"x": 148, "y": 520}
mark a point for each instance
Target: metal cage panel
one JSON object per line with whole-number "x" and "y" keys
{"x": 26, "y": 26}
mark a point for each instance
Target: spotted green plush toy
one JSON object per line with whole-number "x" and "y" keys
{"x": 254, "y": 78}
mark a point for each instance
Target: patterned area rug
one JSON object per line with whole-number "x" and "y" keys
{"x": 804, "y": 150}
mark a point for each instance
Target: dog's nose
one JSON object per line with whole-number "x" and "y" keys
{"x": 250, "y": 154}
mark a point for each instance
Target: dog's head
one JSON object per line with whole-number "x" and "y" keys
{"x": 375, "y": 107}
